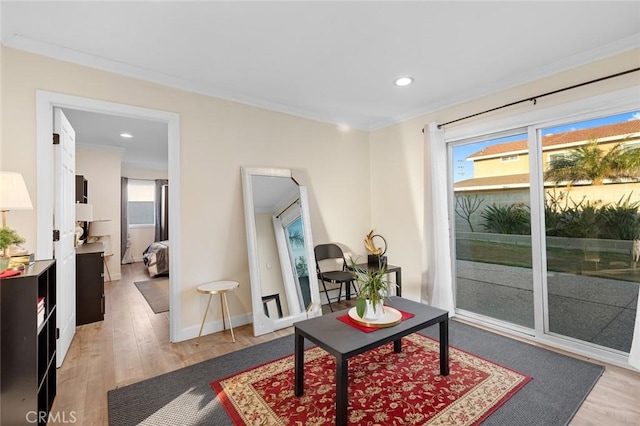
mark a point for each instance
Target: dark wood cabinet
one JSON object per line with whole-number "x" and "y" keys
{"x": 28, "y": 355}
{"x": 82, "y": 189}
{"x": 90, "y": 301}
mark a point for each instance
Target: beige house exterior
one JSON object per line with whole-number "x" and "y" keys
{"x": 501, "y": 171}
{"x": 512, "y": 158}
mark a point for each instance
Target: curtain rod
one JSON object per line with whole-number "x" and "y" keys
{"x": 287, "y": 208}
{"x": 534, "y": 99}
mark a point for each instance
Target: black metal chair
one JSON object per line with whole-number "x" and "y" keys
{"x": 336, "y": 277}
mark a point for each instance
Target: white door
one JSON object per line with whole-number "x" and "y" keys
{"x": 64, "y": 221}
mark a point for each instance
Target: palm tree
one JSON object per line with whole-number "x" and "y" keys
{"x": 591, "y": 163}
{"x": 296, "y": 238}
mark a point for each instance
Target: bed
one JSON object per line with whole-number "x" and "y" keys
{"x": 156, "y": 258}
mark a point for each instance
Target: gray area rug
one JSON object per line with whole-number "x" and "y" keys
{"x": 156, "y": 293}
{"x": 559, "y": 386}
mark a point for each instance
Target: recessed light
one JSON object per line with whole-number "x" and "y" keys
{"x": 403, "y": 81}
{"x": 126, "y": 135}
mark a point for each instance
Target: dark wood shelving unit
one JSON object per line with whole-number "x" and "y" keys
{"x": 28, "y": 354}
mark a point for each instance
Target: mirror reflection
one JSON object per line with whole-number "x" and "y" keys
{"x": 280, "y": 249}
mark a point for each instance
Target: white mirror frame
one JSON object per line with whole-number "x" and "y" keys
{"x": 262, "y": 324}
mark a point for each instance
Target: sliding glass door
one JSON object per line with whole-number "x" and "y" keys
{"x": 295, "y": 246}
{"x": 577, "y": 279}
{"x": 592, "y": 229}
{"x": 492, "y": 229}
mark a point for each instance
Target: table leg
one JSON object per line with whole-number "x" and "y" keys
{"x": 224, "y": 326}
{"x": 397, "y": 346}
{"x": 298, "y": 361}
{"x": 203, "y": 320}
{"x": 444, "y": 347}
{"x": 106, "y": 265}
{"x": 226, "y": 306}
{"x": 342, "y": 397}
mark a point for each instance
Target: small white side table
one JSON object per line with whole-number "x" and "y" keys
{"x": 221, "y": 288}
{"x": 106, "y": 263}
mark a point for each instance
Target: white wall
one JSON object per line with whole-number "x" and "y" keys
{"x": 140, "y": 240}
{"x": 217, "y": 137}
{"x": 101, "y": 169}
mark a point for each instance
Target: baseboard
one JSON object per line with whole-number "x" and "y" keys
{"x": 114, "y": 277}
{"x": 212, "y": 327}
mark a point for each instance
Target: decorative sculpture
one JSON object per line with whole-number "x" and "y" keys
{"x": 376, "y": 254}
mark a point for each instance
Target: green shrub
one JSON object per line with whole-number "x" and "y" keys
{"x": 566, "y": 218}
{"x": 507, "y": 219}
{"x": 580, "y": 222}
{"x": 620, "y": 221}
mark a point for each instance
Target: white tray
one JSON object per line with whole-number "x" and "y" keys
{"x": 390, "y": 317}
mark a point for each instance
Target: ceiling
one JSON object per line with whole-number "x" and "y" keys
{"x": 271, "y": 193}
{"x": 148, "y": 148}
{"x": 329, "y": 61}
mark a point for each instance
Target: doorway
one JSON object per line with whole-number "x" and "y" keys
{"x": 45, "y": 103}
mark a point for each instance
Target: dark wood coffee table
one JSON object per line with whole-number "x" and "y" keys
{"x": 344, "y": 341}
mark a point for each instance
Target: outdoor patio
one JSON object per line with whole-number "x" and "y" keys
{"x": 597, "y": 310}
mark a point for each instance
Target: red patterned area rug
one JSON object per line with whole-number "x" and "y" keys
{"x": 385, "y": 388}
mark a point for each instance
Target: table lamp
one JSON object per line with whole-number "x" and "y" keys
{"x": 13, "y": 194}
{"x": 84, "y": 213}
{"x": 100, "y": 232}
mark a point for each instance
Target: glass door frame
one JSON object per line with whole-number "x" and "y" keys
{"x": 533, "y": 122}
{"x": 503, "y": 324}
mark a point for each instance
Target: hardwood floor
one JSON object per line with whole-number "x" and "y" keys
{"x": 132, "y": 344}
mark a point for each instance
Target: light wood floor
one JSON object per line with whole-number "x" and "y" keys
{"x": 132, "y": 344}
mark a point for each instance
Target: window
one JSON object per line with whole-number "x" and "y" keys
{"x": 557, "y": 156}
{"x": 631, "y": 145}
{"x": 508, "y": 158}
{"x": 141, "y": 205}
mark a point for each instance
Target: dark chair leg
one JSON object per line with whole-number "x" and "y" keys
{"x": 355, "y": 287}
{"x": 327, "y": 294}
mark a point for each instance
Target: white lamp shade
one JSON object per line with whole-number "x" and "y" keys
{"x": 100, "y": 228}
{"x": 84, "y": 212}
{"x": 13, "y": 192}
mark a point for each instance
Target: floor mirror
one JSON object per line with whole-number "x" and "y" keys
{"x": 284, "y": 289}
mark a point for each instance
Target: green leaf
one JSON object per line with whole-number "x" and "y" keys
{"x": 361, "y": 306}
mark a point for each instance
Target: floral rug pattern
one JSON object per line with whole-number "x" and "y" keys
{"x": 385, "y": 388}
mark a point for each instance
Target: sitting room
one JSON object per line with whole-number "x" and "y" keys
{"x": 476, "y": 165}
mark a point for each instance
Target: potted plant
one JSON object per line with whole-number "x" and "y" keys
{"x": 8, "y": 237}
{"x": 373, "y": 288}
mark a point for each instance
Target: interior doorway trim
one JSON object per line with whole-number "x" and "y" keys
{"x": 45, "y": 102}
